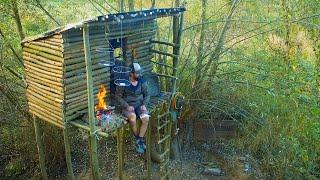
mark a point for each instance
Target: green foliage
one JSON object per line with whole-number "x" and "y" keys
{"x": 267, "y": 79}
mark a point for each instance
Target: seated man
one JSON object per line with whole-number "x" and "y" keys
{"x": 133, "y": 100}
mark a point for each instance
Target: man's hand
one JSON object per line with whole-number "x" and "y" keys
{"x": 143, "y": 108}
{"x": 130, "y": 108}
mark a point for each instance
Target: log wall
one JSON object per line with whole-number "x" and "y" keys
{"x": 55, "y": 66}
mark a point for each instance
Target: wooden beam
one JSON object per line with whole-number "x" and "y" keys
{"x": 167, "y": 76}
{"x": 120, "y": 132}
{"x": 68, "y": 152}
{"x": 162, "y": 64}
{"x": 40, "y": 148}
{"x": 165, "y": 43}
{"x": 164, "y": 53}
{"x": 148, "y": 153}
{"x": 93, "y": 141}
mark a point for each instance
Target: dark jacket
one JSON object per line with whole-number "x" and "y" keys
{"x": 133, "y": 95}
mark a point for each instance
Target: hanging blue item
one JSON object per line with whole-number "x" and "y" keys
{"x": 121, "y": 75}
{"x": 108, "y": 54}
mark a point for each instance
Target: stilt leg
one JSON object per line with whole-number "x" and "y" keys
{"x": 120, "y": 152}
{"x": 68, "y": 152}
{"x": 148, "y": 153}
{"x": 40, "y": 148}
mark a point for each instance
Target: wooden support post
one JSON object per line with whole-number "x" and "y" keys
{"x": 121, "y": 6}
{"x": 120, "y": 132}
{"x": 177, "y": 36}
{"x": 93, "y": 141}
{"x": 148, "y": 153}
{"x": 40, "y": 148}
{"x": 177, "y": 32}
{"x": 68, "y": 152}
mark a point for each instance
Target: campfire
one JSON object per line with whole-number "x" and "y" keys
{"x": 103, "y": 112}
{"x": 105, "y": 117}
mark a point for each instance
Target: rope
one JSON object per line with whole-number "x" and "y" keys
{"x": 174, "y": 100}
{"x": 95, "y": 134}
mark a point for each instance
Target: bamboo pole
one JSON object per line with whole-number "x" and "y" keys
{"x": 39, "y": 69}
{"x": 114, "y": 35}
{"x": 80, "y": 95}
{"x": 79, "y": 67}
{"x": 82, "y": 89}
{"x": 46, "y": 45}
{"x": 79, "y": 57}
{"x": 40, "y": 148}
{"x": 120, "y": 132}
{"x": 42, "y": 61}
{"x": 68, "y": 152}
{"x": 43, "y": 54}
{"x": 79, "y": 92}
{"x": 44, "y": 100}
{"x": 165, "y": 43}
{"x": 93, "y": 141}
{"x": 48, "y": 79}
{"x": 70, "y": 88}
{"x": 38, "y": 96}
{"x": 148, "y": 153}
{"x": 46, "y": 118}
{"x": 47, "y": 94}
{"x": 110, "y": 27}
{"x": 164, "y": 53}
{"x": 97, "y": 72}
{"x": 43, "y": 82}
{"x": 44, "y": 49}
{"x": 47, "y": 88}
{"x": 54, "y": 116}
{"x": 58, "y": 44}
{"x": 51, "y": 70}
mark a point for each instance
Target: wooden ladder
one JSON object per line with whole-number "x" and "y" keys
{"x": 164, "y": 126}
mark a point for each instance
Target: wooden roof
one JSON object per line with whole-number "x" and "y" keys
{"x": 134, "y": 16}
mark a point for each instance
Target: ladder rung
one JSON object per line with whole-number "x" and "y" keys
{"x": 165, "y": 152}
{"x": 167, "y": 174}
{"x": 163, "y": 115}
{"x": 164, "y": 139}
{"x": 164, "y": 165}
{"x": 163, "y": 125}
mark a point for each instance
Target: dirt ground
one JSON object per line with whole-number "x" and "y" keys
{"x": 195, "y": 163}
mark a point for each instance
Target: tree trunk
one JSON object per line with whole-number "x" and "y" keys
{"x": 121, "y": 5}
{"x": 16, "y": 17}
{"x": 215, "y": 55}
{"x": 11, "y": 47}
{"x": 177, "y": 30}
{"x": 131, "y": 5}
{"x": 47, "y": 13}
{"x": 200, "y": 56}
{"x": 153, "y": 3}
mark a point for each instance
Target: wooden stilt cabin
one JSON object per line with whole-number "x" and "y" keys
{"x": 64, "y": 69}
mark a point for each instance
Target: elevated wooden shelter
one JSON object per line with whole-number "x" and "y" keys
{"x": 64, "y": 70}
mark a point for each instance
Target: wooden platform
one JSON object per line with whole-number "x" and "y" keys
{"x": 155, "y": 102}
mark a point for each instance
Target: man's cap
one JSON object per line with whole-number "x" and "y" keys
{"x": 136, "y": 68}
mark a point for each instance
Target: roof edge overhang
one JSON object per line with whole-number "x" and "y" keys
{"x": 139, "y": 15}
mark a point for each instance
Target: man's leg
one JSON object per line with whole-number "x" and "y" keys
{"x": 132, "y": 118}
{"x": 144, "y": 126}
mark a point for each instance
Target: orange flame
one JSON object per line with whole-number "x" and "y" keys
{"x": 101, "y": 95}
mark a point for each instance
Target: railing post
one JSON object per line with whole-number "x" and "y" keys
{"x": 93, "y": 141}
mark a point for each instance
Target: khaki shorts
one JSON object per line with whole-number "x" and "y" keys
{"x": 137, "y": 111}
